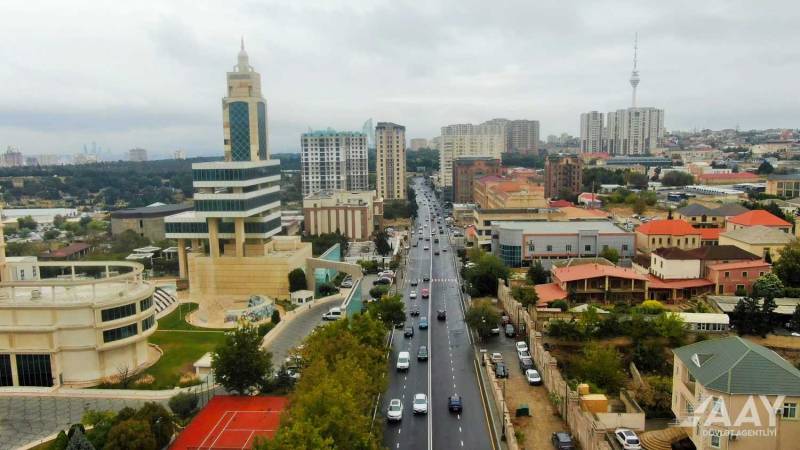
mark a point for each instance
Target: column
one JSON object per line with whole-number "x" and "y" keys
{"x": 239, "y": 233}
{"x": 182, "y": 258}
{"x": 213, "y": 237}
{"x": 195, "y": 245}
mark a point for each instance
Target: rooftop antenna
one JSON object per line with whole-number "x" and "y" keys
{"x": 635, "y": 73}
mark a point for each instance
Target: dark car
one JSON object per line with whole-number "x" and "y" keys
{"x": 454, "y": 403}
{"x": 563, "y": 441}
{"x": 414, "y": 282}
{"x": 422, "y": 353}
{"x": 436, "y": 253}
{"x": 399, "y": 325}
{"x": 382, "y": 280}
{"x": 525, "y": 364}
{"x": 436, "y": 241}
{"x": 408, "y": 331}
{"x": 414, "y": 311}
{"x": 500, "y": 370}
{"x": 441, "y": 314}
{"x": 426, "y": 279}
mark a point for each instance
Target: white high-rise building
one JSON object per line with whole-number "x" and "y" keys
{"x": 390, "y": 164}
{"x": 487, "y": 139}
{"x": 334, "y": 160}
{"x": 635, "y": 131}
{"x": 592, "y": 138}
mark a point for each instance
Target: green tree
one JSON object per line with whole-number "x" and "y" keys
{"x": 160, "y": 421}
{"x": 676, "y": 178}
{"x": 78, "y": 441}
{"x": 326, "y": 289}
{"x": 131, "y": 434}
{"x": 648, "y": 355}
{"x": 602, "y": 366}
{"x": 787, "y": 267}
{"x": 746, "y": 316}
{"x": 765, "y": 168}
{"x": 390, "y": 309}
{"x": 61, "y": 441}
{"x": 382, "y": 243}
{"x": 484, "y": 275}
{"x": 560, "y": 304}
{"x": 655, "y": 395}
{"x": 58, "y": 221}
{"x": 482, "y": 316}
{"x": 537, "y": 274}
{"x": 526, "y": 295}
{"x": 639, "y": 206}
{"x": 297, "y": 280}
{"x": 768, "y": 286}
{"x": 611, "y": 254}
{"x": 379, "y": 291}
{"x": 672, "y": 327}
{"x": 276, "y": 316}
{"x": 128, "y": 240}
{"x": 794, "y": 322}
{"x": 27, "y": 222}
{"x": 299, "y": 434}
{"x": 183, "y": 404}
{"x": 240, "y": 364}
{"x": 101, "y": 423}
{"x": 637, "y": 180}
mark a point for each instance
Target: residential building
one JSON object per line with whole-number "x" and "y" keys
{"x": 717, "y": 381}
{"x": 701, "y": 216}
{"x": 709, "y": 236}
{"x": 734, "y": 277}
{"x": 137, "y": 155}
{"x": 727, "y": 178}
{"x": 466, "y": 169}
{"x": 757, "y": 217}
{"x": 147, "y": 221}
{"x": 356, "y": 214}
{"x": 71, "y": 252}
{"x": 232, "y": 229}
{"x": 562, "y": 174}
{"x": 522, "y": 136}
{"x": 621, "y": 162}
{"x": 179, "y": 154}
{"x": 593, "y": 283}
{"x": 492, "y": 192}
{"x": 487, "y": 139}
{"x": 592, "y": 129}
{"x": 418, "y": 143}
{"x": 666, "y": 233}
{"x": 333, "y": 160}
{"x": 758, "y": 240}
{"x": 784, "y": 185}
{"x": 520, "y": 243}
{"x": 390, "y": 171}
{"x": 635, "y": 131}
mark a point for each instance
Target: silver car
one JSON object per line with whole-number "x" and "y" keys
{"x": 395, "y": 413}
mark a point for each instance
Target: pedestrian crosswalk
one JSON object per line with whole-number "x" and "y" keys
{"x": 444, "y": 280}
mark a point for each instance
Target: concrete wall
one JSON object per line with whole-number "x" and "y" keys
{"x": 152, "y": 228}
{"x": 673, "y": 269}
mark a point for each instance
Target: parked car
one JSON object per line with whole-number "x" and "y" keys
{"x": 382, "y": 280}
{"x": 526, "y": 364}
{"x": 533, "y": 377}
{"x": 454, "y": 403}
{"x": 521, "y": 346}
{"x": 496, "y": 330}
{"x": 422, "y": 353}
{"x": 395, "y": 413}
{"x": 436, "y": 253}
{"x": 426, "y": 247}
{"x": 408, "y": 332}
{"x": 500, "y": 370}
{"x": 627, "y": 439}
{"x": 426, "y": 279}
{"x": 423, "y": 323}
{"x": 420, "y": 404}
{"x": 347, "y": 283}
{"x": 562, "y": 441}
{"x": 496, "y": 357}
{"x": 510, "y": 330}
{"x": 523, "y": 354}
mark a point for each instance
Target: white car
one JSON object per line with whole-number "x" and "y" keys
{"x": 496, "y": 357}
{"x": 521, "y": 346}
{"x": 627, "y": 439}
{"x": 403, "y": 360}
{"x": 420, "y": 404}
{"x": 412, "y": 294}
{"x": 426, "y": 248}
{"x": 533, "y": 377}
{"x": 395, "y": 413}
{"x": 523, "y": 355}
{"x": 347, "y": 284}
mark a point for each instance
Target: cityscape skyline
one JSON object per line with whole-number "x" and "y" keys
{"x": 168, "y": 99}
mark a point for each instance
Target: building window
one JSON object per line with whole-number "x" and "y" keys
{"x": 727, "y": 274}
{"x": 569, "y": 247}
{"x": 790, "y": 410}
{"x": 744, "y": 274}
{"x": 116, "y": 334}
{"x": 145, "y": 304}
{"x": 34, "y": 370}
{"x": 587, "y": 248}
{"x": 239, "y": 118}
{"x": 739, "y": 287}
{"x": 715, "y": 438}
{"x": 118, "y": 312}
{"x": 149, "y": 322}
{"x": 624, "y": 247}
{"x": 549, "y": 248}
{"x": 717, "y": 405}
{"x": 5, "y": 371}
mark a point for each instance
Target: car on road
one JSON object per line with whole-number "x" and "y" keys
{"x": 436, "y": 241}
{"x": 521, "y": 346}
{"x": 426, "y": 248}
{"x": 426, "y": 279}
{"x": 415, "y": 245}
{"x": 436, "y": 253}
{"x": 334, "y": 313}
{"x": 523, "y": 354}
{"x": 454, "y": 403}
{"x": 526, "y": 364}
{"x": 627, "y": 439}
{"x": 496, "y": 330}
{"x": 510, "y": 330}
{"x": 444, "y": 249}
{"x": 441, "y": 314}
{"x": 408, "y": 332}
{"x": 400, "y": 325}
{"x": 533, "y": 377}
{"x": 423, "y": 323}
{"x": 414, "y": 311}
{"x": 414, "y": 282}
{"x": 500, "y": 370}
{"x": 420, "y": 404}
{"x": 425, "y": 293}
{"x": 347, "y": 283}
{"x": 562, "y": 441}
{"x": 422, "y": 353}
{"x": 496, "y": 357}
{"x": 395, "y": 413}
{"x": 382, "y": 281}
{"x": 412, "y": 294}
{"x": 403, "y": 360}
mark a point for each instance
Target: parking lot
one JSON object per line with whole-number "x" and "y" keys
{"x": 543, "y": 421}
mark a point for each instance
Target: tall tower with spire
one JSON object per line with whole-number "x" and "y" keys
{"x": 635, "y": 73}
{"x": 244, "y": 113}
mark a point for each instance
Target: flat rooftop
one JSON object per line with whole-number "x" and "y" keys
{"x": 601, "y": 226}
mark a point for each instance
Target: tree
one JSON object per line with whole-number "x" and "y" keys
{"x": 58, "y": 220}
{"x": 794, "y": 322}
{"x": 611, "y": 254}
{"x": 526, "y": 295}
{"x": 326, "y": 289}
{"x": 379, "y": 291}
{"x": 160, "y": 421}
{"x": 482, "y": 316}
{"x": 672, "y": 327}
{"x": 382, "y": 243}
{"x": 602, "y": 366}
{"x": 27, "y": 222}
{"x": 51, "y": 234}
{"x": 676, "y": 178}
{"x": 746, "y": 316}
{"x": 276, "y": 316}
{"x": 484, "y": 275}
{"x": 101, "y": 423}
{"x": 637, "y": 180}
{"x": 128, "y": 240}
{"x": 560, "y": 304}
{"x": 655, "y": 395}
{"x": 768, "y": 286}
{"x": 765, "y": 168}
{"x": 240, "y": 364}
{"x": 639, "y": 206}
{"x": 183, "y": 404}
{"x": 61, "y": 441}
{"x": 537, "y": 274}
{"x": 131, "y": 434}
{"x": 297, "y": 280}
{"x": 787, "y": 267}
{"x": 78, "y": 441}
{"x": 390, "y": 309}
{"x": 648, "y": 355}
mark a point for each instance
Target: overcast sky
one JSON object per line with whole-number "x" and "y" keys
{"x": 152, "y": 73}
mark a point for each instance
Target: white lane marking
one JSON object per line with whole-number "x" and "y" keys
{"x": 462, "y": 443}
{"x": 399, "y": 430}
{"x": 459, "y": 430}
{"x": 398, "y": 445}
{"x": 430, "y": 375}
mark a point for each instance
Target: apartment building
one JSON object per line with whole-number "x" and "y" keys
{"x": 334, "y": 160}
{"x": 466, "y": 170}
{"x": 390, "y": 167}
{"x": 354, "y": 214}
{"x": 592, "y": 132}
{"x": 635, "y": 131}
{"x": 563, "y": 174}
{"x": 487, "y": 139}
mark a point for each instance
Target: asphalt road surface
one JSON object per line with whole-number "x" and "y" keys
{"x": 450, "y": 367}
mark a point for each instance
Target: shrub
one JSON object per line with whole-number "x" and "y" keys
{"x": 650, "y": 307}
{"x": 183, "y": 404}
{"x": 276, "y": 316}
{"x": 265, "y": 328}
{"x": 326, "y": 289}
{"x": 560, "y": 304}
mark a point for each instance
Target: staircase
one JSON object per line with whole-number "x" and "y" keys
{"x": 163, "y": 300}
{"x": 662, "y": 439}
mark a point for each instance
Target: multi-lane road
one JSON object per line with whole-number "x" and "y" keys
{"x": 450, "y": 368}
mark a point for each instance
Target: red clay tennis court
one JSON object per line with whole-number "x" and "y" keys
{"x": 231, "y": 422}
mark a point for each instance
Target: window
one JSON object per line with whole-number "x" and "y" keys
{"x": 34, "y": 370}
{"x": 549, "y": 248}
{"x": 727, "y": 274}
{"x": 145, "y": 304}
{"x": 605, "y": 247}
{"x": 149, "y": 322}
{"x": 717, "y": 402}
{"x": 715, "y": 438}
{"x": 624, "y": 247}
{"x": 118, "y": 312}
{"x": 744, "y": 274}
{"x": 740, "y": 287}
{"x": 587, "y": 248}
{"x": 116, "y": 334}
{"x": 569, "y": 247}
{"x": 790, "y": 410}
{"x": 5, "y": 371}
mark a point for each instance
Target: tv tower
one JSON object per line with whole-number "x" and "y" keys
{"x": 635, "y": 73}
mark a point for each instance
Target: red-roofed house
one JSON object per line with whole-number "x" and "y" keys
{"x": 548, "y": 293}
{"x": 560, "y": 203}
{"x": 730, "y": 277}
{"x": 709, "y": 236}
{"x": 757, "y": 217}
{"x": 599, "y": 283}
{"x": 727, "y": 178}
{"x": 71, "y": 252}
{"x": 667, "y": 233}
{"x": 589, "y": 199}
